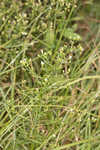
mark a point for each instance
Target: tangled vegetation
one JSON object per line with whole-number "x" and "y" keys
{"x": 49, "y": 75}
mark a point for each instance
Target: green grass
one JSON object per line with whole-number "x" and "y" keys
{"x": 49, "y": 75}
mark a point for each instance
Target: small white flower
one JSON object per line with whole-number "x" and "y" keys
{"x": 42, "y": 63}
{"x": 24, "y": 33}
{"x": 54, "y": 135}
{"x": 70, "y": 57}
{"x": 71, "y": 110}
{"x": 46, "y": 79}
{"x": 23, "y": 62}
{"x": 24, "y": 14}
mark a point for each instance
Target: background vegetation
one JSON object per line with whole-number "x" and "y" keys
{"x": 49, "y": 75}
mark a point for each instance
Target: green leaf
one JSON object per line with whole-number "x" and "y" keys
{"x": 69, "y": 34}
{"x": 49, "y": 38}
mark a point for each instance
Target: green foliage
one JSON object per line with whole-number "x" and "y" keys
{"x": 49, "y": 81}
